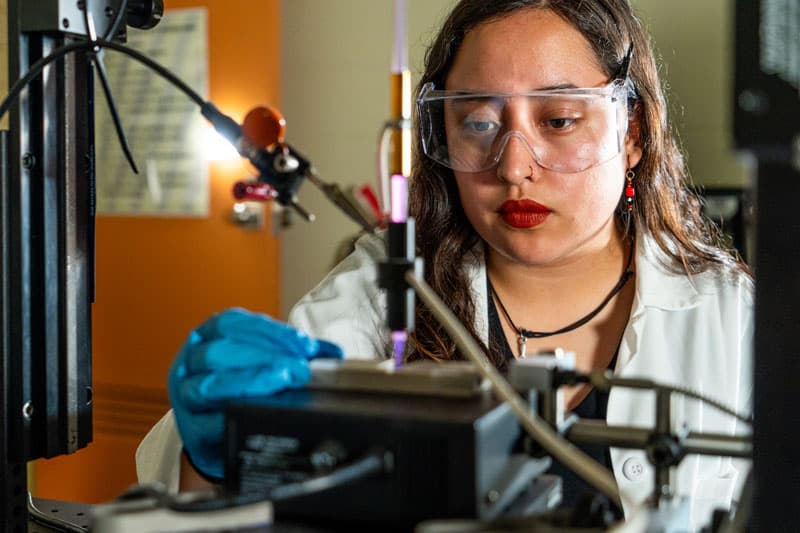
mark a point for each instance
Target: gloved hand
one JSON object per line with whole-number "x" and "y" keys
{"x": 234, "y": 354}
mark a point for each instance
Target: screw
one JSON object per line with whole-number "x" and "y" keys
{"x": 754, "y": 101}
{"x": 492, "y": 496}
{"x": 28, "y": 161}
{"x": 81, "y": 5}
{"x": 65, "y": 22}
{"x": 285, "y": 163}
{"x": 27, "y": 410}
{"x": 109, "y": 11}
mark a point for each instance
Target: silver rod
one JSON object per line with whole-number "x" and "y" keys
{"x": 599, "y": 433}
{"x": 712, "y": 444}
{"x": 663, "y": 417}
{"x": 334, "y": 194}
{"x": 553, "y": 443}
{"x": 309, "y": 217}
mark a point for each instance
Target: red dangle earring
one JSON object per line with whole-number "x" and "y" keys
{"x": 630, "y": 192}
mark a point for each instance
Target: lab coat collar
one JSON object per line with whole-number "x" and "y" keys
{"x": 656, "y": 286}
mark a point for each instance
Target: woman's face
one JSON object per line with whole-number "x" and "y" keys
{"x": 526, "y": 213}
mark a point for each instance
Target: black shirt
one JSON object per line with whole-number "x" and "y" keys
{"x": 594, "y": 405}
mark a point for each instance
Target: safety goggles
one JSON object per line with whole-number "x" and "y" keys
{"x": 565, "y": 130}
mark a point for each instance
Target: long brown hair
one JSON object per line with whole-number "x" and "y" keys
{"x": 665, "y": 207}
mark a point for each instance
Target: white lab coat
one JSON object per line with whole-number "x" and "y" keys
{"x": 694, "y": 333}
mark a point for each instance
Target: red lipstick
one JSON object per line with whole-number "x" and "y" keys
{"x": 523, "y": 214}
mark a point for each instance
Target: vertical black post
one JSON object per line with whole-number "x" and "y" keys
{"x": 13, "y": 474}
{"x": 776, "y": 438}
{"x": 47, "y": 253}
{"x": 767, "y": 125}
{"x": 13, "y": 507}
{"x": 50, "y": 269}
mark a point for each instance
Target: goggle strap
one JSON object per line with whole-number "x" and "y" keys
{"x": 622, "y": 71}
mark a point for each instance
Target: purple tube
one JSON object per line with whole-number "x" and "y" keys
{"x": 399, "y": 339}
{"x": 399, "y": 211}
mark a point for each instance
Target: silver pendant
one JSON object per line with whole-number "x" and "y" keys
{"x": 521, "y": 341}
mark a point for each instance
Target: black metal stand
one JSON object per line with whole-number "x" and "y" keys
{"x": 47, "y": 258}
{"x": 766, "y": 108}
{"x": 45, "y": 516}
{"x": 776, "y": 438}
{"x": 13, "y": 476}
{"x": 665, "y": 449}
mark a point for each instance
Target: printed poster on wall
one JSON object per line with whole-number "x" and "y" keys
{"x": 164, "y": 127}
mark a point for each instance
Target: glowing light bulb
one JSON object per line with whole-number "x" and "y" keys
{"x": 218, "y": 148}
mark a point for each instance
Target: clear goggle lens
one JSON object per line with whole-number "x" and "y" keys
{"x": 566, "y": 130}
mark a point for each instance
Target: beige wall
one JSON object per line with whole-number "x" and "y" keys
{"x": 335, "y": 95}
{"x": 695, "y": 41}
{"x": 335, "y": 61}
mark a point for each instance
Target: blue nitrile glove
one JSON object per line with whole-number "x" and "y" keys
{"x": 234, "y": 354}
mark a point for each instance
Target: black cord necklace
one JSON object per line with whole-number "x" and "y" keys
{"x": 525, "y": 334}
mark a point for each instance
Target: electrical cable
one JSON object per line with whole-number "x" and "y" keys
{"x": 553, "y": 443}
{"x": 112, "y": 30}
{"x": 374, "y": 462}
{"x": 604, "y": 380}
{"x": 159, "y": 69}
{"x": 710, "y": 401}
{"x": 97, "y": 59}
{"x": 37, "y": 67}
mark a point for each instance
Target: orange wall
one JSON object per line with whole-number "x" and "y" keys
{"x": 159, "y": 277}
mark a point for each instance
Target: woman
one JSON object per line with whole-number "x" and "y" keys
{"x": 553, "y": 210}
